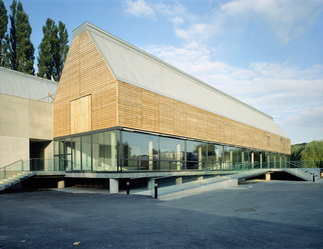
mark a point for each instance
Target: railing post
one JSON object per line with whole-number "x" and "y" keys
{"x": 128, "y": 187}
{"x": 156, "y": 189}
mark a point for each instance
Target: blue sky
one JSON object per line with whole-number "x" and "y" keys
{"x": 267, "y": 53}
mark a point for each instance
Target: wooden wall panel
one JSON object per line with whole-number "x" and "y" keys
{"x": 85, "y": 73}
{"x": 145, "y": 110}
{"x": 81, "y": 115}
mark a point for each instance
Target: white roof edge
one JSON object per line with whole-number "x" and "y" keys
{"x": 88, "y": 26}
{"x": 29, "y": 75}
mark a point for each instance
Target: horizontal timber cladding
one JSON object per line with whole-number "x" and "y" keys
{"x": 145, "y": 110}
{"x": 85, "y": 73}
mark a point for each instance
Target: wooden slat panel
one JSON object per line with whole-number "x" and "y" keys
{"x": 81, "y": 115}
{"x": 145, "y": 110}
{"x": 85, "y": 73}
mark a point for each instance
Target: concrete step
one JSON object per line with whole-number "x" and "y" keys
{"x": 8, "y": 182}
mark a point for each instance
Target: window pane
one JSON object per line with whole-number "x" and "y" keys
{"x": 56, "y": 147}
{"x": 215, "y": 153}
{"x": 141, "y": 147}
{"x": 86, "y": 153}
{"x": 130, "y": 165}
{"x": 61, "y": 147}
{"x": 76, "y": 153}
{"x": 104, "y": 146}
{"x": 171, "y": 149}
{"x": 196, "y": 151}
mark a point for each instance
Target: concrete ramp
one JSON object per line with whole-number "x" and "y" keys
{"x": 8, "y": 182}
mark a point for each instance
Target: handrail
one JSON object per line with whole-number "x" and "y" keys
{"x": 11, "y": 165}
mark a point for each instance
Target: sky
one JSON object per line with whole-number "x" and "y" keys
{"x": 266, "y": 53}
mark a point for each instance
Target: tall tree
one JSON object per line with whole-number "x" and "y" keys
{"x": 313, "y": 154}
{"x": 47, "y": 48}
{"x": 52, "y": 50}
{"x": 21, "y": 49}
{"x": 13, "y": 35}
{"x": 3, "y": 30}
{"x": 62, "y": 49}
{"x": 25, "y": 49}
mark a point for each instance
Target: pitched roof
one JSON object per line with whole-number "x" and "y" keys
{"x": 137, "y": 67}
{"x": 26, "y": 86}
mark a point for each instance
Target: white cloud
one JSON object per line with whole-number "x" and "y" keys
{"x": 139, "y": 8}
{"x": 150, "y": 9}
{"x": 288, "y": 18}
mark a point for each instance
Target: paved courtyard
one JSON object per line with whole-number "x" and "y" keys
{"x": 276, "y": 214}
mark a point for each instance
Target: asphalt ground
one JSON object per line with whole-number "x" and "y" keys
{"x": 276, "y": 214}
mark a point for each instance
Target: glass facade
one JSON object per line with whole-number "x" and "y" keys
{"x": 122, "y": 151}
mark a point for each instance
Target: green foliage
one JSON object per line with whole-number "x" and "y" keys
{"x": 62, "y": 48}
{"x": 25, "y": 49}
{"x": 313, "y": 153}
{"x": 52, "y": 50}
{"x": 47, "y": 49}
{"x": 296, "y": 151}
{"x": 3, "y": 30}
{"x": 20, "y": 46}
{"x": 13, "y": 35}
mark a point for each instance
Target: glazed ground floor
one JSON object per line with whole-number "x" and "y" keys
{"x": 123, "y": 150}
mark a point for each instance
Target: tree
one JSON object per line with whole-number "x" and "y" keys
{"x": 62, "y": 49}
{"x": 21, "y": 49}
{"x": 25, "y": 49}
{"x": 47, "y": 47}
{"x": 13, "y": 35}
{"x": 296, "y": 151}
{"x": 52, "y": 50}
{"x": 313, "y": 153}
{"x": 3, "y": 30}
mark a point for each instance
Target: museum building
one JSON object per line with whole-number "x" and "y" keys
{"x": 119, "y": 109}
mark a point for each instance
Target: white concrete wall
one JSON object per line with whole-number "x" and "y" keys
{"x": 20, "y": 120}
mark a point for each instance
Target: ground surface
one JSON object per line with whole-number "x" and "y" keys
{"x": 273, "y": 214}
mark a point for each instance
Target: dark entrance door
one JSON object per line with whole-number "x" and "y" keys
{"x": 37, "y": 154}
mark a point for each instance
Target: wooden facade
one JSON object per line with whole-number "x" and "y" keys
{"x": 116, "y": 103}
{"x": 85, "y": 73}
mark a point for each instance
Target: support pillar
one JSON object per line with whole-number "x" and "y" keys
{"x": 268, "y": 176}
{"x": 252, "y": 160}
{"x": 178, "y": 157}
{"x": 200, "y": 157}
{"x": 113, "y": 151}
{"x": 61, "y": 184}
{"x": 114, "y": 186}
{"x": 151, "y": 163}
{"x": 151, "y": 183}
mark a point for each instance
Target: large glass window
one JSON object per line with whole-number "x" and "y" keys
{"x": 196, "y": 155}
{"x": 172, "y": 153}
{"x": 104, "y": 148}
{"x": 140, "y": 147}
{"x": 86, "y": 153}
{"x": 76, "y": 153}
{"x": 215, "y": 156}
{"x": 68, "y": 154}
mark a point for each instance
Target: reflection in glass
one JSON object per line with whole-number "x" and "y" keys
{"x": 104, "y": 148}
{"x": 172, "y": 152}
{"x": 86, "y": 153}
{"x": 76, "y": 153}
{"x": 215, "y": 155}
{"x": 195, "y": 155}
{"x": 140, "y": 147}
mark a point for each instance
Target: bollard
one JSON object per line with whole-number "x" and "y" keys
{"x": 128, "y": 187}
{"x": 156, "y": 190}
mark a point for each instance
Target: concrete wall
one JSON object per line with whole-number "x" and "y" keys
{"x": 21, "y": 120}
